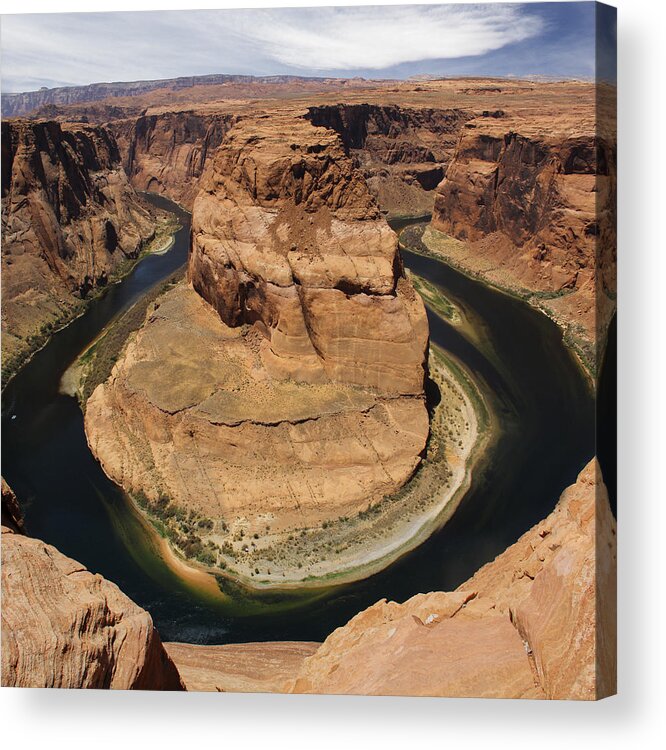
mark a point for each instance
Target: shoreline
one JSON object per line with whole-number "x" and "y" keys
{"x": 524, "y": 295}
{"x": 119, "y": 275}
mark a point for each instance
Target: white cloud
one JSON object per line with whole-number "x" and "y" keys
{"x": 61, "y": 49}
{"x": 375, "y": 38}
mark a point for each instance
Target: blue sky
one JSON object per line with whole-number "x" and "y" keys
{"x": 550, "y": 39}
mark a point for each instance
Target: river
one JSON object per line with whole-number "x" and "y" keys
{"x": 544, "y": 408}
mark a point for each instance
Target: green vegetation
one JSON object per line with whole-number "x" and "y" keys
{"x": 435, "y": 298}
{"x": 180, "y": 526}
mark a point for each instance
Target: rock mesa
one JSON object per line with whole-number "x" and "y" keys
{"x": 285, "y": 386}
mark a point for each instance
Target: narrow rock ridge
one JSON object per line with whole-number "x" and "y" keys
{"x": 537, "y": 622}
{"x": 65, "y": 627}
{"x": 69, "y": 219}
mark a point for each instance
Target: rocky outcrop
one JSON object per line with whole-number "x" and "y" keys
{"x": 286, "y": 236}
{"x": 12, "y": 517}
{"x": 166, "y": 153}
{"x": 403, "y": 152}
{"x": 69, "y": 219}
{"x": 528, "y": 199}
{"x": 537, "y": 622}
{"x": 284, "y": 388}
{"x": 65, "y": 627}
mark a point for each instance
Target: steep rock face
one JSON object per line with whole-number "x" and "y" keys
{"x": 284, "y": 388}
{"x": 286, "y": 235}
{"x": 538, "y": 621}
{"x": 166, "y": 153}
{"x": 531, "y": 207}
{"x": 69, "y": 218}
{"x": 403, "y": 152}
{"x": 65, "y": 627}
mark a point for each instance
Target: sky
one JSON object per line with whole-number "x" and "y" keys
{"x": 499, "y": 39}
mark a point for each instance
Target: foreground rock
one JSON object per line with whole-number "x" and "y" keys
{"x": 537, "y": 622}
{"x": 285, "y": 388}
{"x": 241, "y": 667}
{"x": 69, "y": 220}
{"x": 65, "y": 627}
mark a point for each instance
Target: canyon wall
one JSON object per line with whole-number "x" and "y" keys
{"x": 537, "y": 622}
{"x": 69, "y": 219}
{"x": 64, "y": 627}
{"x": 403, "y": 152}
{"x": 166, "y": 153}
{"x": 533, "y": 202}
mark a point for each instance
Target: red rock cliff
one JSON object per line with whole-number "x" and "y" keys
{"x": 69, "y": 218}
{"x": 285, "y": 235}
{"x": 65, "y": 627}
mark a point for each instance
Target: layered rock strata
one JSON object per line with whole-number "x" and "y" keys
{"x": 286, "y": 236}
{"x": 537, "y": 622}
{"x": 534, "y": 206}
{"x": 166, "y": 153}
{"x": 69, "y": 219}
{"x": 65, "y": 627}
{"x": 403, "y": 152}
{"x": 285, "y": 387}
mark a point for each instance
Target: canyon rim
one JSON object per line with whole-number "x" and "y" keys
{"x": 308, "y": 356}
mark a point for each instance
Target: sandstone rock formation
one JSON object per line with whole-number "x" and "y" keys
{"x": 286, "y": 235}
{"x": 69, "y": 218}
{"x": 297, "y": 395}
{"x": 63, "y": 626}
{"x": 239, "y": 667}
{"x": 402, "y": 151}
{"x": 12, "y": 517}
{"x": 166, "y": 153}
{"x": 533, "y": 201}
{"x": 537, "y": 622}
